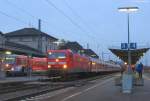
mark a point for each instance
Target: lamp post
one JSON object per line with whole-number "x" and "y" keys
{"x": 128, "y": 10}
{"x": 127, "y": 79}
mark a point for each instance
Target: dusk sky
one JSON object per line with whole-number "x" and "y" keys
{"x": 96, "y": 22}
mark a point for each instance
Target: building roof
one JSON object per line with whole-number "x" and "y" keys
{"x": 74, "y": 46}
{"x": 28, "y": 32}
{"x": 136, "y": 54}
{"x": 90, "y": 53}
{"x": 16, "y": 48}
{"x": 1, "y": 33}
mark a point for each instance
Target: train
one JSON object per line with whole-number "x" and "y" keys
{"x": 20, "y": 64}
{"x": 66, "y": 62}
{"x": 39, "y": 64}
{"x": 58, "y": 63}
{"x": 14, "y": 62}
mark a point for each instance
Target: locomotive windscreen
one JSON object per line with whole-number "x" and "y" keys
{"x": 53, "y": 55}
{"x": 10, "y": 60}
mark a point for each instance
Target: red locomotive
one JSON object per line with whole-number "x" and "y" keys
{"x": 39, "y": 64}
{"x": 65, "y": 61}
{"x": 61, "y": 62}
{"x": 15, "y": 62}
{"x": 58, "y": 62}
{"x": 19, "y": 64}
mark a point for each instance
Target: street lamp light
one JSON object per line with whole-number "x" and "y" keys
{"x": 128, "y": 10}
{"x": 8, "y": 52}
{"x": 127, "y": 79}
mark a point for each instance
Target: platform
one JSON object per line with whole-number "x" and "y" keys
{"x": 100, "y": 90}
{"x": 21, "y": 79}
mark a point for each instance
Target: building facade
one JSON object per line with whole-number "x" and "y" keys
{"x": 1, "y": 54}
{"x": 2, "y": 40}
{"x": 33, "y": 38}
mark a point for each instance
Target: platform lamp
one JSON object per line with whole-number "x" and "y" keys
{"x": 127, "y": 78}
{"x": 8, "y": 52}
{"x": 128, "y": 10}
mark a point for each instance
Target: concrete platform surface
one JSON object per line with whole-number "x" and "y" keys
{"x": 21, "y": 79}
{"x": 99, "y": 90}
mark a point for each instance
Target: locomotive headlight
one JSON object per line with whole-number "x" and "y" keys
{"x": 49, "y": 66}
{"x": 65, "y": 66}
{"x": 93, "y": 63}
{"x": 7, "y": 65}
{"x": 57, "y": 60}
{"x": 12, "y": 69}
{"x": 50, "y": 53}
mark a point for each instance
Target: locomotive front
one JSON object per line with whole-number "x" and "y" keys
{"x": 58, "y": 62}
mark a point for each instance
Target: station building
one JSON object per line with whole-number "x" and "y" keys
{"x": 1, "y": 41}
{"x": 33, "y": 38}
{"x": 74, "y": 46}
{"x": 1, "y": 38}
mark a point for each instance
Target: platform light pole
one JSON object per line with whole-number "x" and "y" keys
{"x": 128, "y": 10}
{"x": 127, "y": 78}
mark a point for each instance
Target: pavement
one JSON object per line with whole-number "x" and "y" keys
{"x": 98, "y": 90}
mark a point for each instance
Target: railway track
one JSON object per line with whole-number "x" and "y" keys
{"x": 9, "y": 89}
{"x": 12, "y": 93}
{"x": 27, "y": 90}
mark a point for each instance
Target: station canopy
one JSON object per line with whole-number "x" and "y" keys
{"x": 136, "y": 54}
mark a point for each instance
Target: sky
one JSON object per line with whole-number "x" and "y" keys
{"x": 96, "y": 22}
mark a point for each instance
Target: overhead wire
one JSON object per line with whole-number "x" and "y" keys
{"x": 12, "y": 17}
{"x": 68, "y": 17}
{"x": 24, "y": 11}
{"x": 74, "y": 23}
{"x": 78, "y": 16}
{"x": 27, "y": 13}
{"x": 52, "y": 4}
{"x": 20, "y": 8}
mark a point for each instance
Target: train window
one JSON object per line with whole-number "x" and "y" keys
{"x": 59, "y": 55}
{"x": 9, "y": 60}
